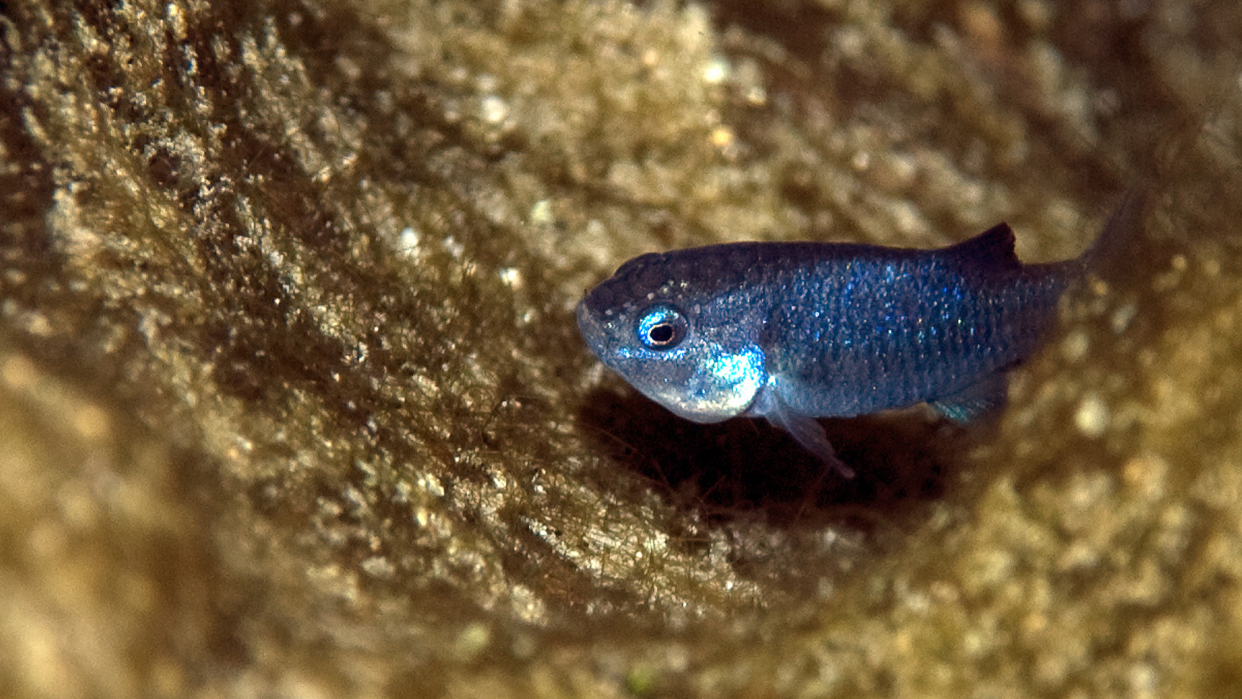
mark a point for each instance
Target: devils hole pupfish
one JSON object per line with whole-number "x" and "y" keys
{"x": 795, "y": 331}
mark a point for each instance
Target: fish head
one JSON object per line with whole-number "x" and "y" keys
{"x": 690, "y": 349}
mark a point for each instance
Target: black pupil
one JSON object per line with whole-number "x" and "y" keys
{"x": 661, "y": 334}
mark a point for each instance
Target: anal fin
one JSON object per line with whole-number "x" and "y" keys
{"x": 984, "y": 397}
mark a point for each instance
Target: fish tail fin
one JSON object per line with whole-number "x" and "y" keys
{"x": 1118, "y": 233}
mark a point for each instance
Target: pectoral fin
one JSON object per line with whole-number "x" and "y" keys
{"x": 806, "y": 430}
{"x": 978, "y": 399}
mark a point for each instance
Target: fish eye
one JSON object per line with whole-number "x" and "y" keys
{"x": 661, "y": 327}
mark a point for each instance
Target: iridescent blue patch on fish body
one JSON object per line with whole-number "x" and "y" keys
{"x": 795, "y": 331}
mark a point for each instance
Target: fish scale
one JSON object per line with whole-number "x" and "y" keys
{"x": 796, "y": 331}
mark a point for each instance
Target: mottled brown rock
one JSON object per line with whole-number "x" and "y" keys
{"x": 292, "y": 401}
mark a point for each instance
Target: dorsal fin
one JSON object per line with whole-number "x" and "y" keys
{"x": 993, "y": 247}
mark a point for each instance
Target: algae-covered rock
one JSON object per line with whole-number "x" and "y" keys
{"x": 292, "y": 401}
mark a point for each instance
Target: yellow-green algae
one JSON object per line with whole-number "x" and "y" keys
{"x": 292, "y": 403}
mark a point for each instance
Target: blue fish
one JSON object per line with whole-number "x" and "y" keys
{"x": 795, "y": 331}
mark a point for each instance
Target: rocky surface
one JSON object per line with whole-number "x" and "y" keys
{"x": 292, "y": 402}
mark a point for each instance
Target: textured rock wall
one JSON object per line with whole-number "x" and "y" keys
{"x": 292, "y": 401}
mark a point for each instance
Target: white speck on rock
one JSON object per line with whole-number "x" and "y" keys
{"x": 717, "y": 70}
{"x": 1092, "y": 416}
{"x": 378, "y": 567}
{"x": 512, "y": 277}
{"x": 494, "y": 110}
{"x": 408, "y": 241}
{"x": 541, "y": 212}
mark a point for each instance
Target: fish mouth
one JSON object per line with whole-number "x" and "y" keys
{"x": 590, "y": 329}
